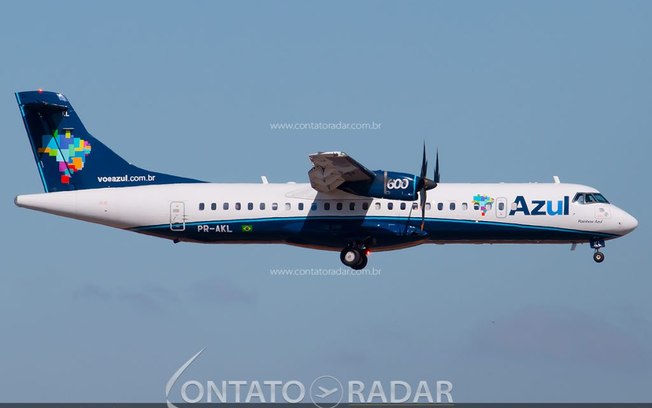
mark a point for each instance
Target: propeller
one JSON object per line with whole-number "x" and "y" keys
{"x": 436, "y": 175}
{"x": 424, "y": 184}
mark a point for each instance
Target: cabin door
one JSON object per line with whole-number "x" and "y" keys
{"x": 501, "y": 207}
{"x": 177, "y": 216}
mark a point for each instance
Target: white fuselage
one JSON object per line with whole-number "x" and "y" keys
{"x": 298, "y": 214}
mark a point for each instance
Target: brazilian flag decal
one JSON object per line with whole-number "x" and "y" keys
{"x": 247, "y": 228}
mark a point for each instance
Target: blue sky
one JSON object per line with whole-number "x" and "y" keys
{"x": 508, "y": 91}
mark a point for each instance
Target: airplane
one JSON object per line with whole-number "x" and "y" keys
{"x": 346, "y": 207}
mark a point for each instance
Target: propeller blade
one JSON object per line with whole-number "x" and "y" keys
{"x": 424, "y": 162}
{"x": 436, "y": 176}
{"x": 407, "y": 224}
{"x": 424, "y": 169}
{"x": 422, "y": 199}
{"x": 423, "y": 186}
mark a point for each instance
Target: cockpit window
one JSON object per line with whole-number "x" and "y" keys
{"x": 589, "y": 198}
{"x": 600, "y": 198}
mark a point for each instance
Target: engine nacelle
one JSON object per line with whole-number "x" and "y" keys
{"x": 387, "y": 184}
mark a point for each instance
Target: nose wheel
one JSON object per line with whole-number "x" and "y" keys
{"x": 597, "y": 255}
{"x": 354, "y": 258}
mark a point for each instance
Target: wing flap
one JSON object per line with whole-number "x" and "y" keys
{"x": 332, "y": 169}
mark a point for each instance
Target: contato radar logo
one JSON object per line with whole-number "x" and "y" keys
{"x": 325, "y": 391}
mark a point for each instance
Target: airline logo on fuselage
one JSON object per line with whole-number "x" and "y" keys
{"x": 540, "y": 207}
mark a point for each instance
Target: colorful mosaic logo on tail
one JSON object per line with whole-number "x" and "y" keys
{"x": 69, "y": 151}
{"x": 482, "y": 202}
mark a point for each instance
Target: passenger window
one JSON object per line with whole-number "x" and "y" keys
{"x": 452, "y": 206}
{"x": 476, "y": 206}
{"x": 250, "y": 206}
{"x": 352, "y": 206}
{"x": 225, "y": 206}
{"x": 403, "y": 206}
{"x": 313, "y": 207}
{"x": 262, "y": 206}
{"x": 300, "y": 206}
{"x": 365, "y": 205}
{"x": 427, "y": 206}
{"x": 440, "y": 206}
{"x": 201, "y": 206}
{"x": 390, "y": 206}
{"x": 288, "y": 206}
{"x": 415, "y": 206}
{"x": 339, "y": 206}
{"x": 274, "y": 206}
{"x": 465, "y": 206}
{"x": 238, "y": 206}
{"x": 501, "y": 206}
{"x": 377, "y": 205}
{"x": 327, "y": 206}
{"x": 488, "y": 206}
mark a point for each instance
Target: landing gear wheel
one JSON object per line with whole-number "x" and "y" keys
{"x": 363, "y": 262}
{"x": 354, "y": 258}
{"x": 597, "y": 244}
{"x": 598, "y": 256}
{"x": 351, "y": 257}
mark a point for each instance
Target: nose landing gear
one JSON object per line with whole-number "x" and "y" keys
{"x": 354, "y": 257}
{"x": 597, "y": 255}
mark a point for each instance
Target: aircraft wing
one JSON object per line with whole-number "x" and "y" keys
{"x": 332, "y": 169}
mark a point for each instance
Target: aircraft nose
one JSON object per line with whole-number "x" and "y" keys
{"x": 628, "y": 223}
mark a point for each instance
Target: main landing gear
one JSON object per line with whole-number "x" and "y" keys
{"x": 597, "y": 255}
{"x": 354, "y": 257}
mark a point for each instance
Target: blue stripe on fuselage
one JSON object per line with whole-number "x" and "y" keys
{"x": 333, "y": 229}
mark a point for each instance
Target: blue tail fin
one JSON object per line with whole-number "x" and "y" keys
{"x": 68, "y": 157}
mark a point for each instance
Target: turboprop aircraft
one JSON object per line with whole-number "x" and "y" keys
{"x": 346, "y": 207}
